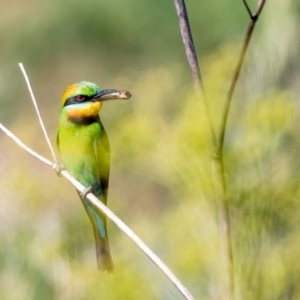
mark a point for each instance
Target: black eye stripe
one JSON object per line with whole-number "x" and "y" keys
{"x": 73, "y": 100}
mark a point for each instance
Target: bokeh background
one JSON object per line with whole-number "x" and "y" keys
{"x": 161, "y": 184}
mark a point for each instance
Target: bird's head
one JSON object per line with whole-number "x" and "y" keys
{"x": 84, "y": 99}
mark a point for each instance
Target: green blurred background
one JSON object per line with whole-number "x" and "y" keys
{"x": 161, "y": 184}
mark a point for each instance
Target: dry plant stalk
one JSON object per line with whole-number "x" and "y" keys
{"x": 217, "y": 141}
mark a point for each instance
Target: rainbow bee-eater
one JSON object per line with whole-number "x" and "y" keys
{"x": 85, "y": 152}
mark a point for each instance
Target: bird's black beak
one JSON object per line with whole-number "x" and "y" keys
{"x": 105, "y": 95}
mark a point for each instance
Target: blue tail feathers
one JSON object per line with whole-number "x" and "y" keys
{"x": 98, "y": 220}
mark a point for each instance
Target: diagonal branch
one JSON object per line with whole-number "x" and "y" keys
{"x": 191, "y": 55}
{"x": 22, "y": 145}
{"x": 248, "y": 8}
{"x": 104, "y": 209}
{"x": 188, "y": 43}
{"x": 37, "y": 111}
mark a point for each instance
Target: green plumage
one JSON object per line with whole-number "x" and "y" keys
{"x": 85, "y": 152}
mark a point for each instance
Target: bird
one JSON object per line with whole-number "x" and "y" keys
{"x": 84, "y": 149}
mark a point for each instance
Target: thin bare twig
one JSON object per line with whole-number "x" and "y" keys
{"x": 104, "y": 209}
{"x": 188, "y": 43}
{"x": 37, "y": 111}
{"x": 251, "y": 26}
{"x": 248, "y": 8}
{"x": 22, "y": 145}
{"x": 260, "y": 7}
{"x": 191, "y": 55}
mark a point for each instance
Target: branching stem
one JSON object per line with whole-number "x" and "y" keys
{"x": 217, "y": 142}
{"x": 248, "y": 8}
{"x": 248, "y": 35}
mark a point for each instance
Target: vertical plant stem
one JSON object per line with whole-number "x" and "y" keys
{"x": 188, "y": 43}
{"x": 218, "y": 161}
{"x": 217, "y": 143}
{"x": 223, "y": 217}
{"x": 217, "y": 164}
{"x": 191, "y": 55}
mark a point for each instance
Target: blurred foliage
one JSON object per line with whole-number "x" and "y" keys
{"x": 161, "y": 182}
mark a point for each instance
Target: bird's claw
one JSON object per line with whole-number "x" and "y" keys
{"x": 58, "y": 168}
{"x": 86, "y": 191}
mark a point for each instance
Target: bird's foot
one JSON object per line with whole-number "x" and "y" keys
{"x": 87, "y": 190}
{"x": 58, "y": 168}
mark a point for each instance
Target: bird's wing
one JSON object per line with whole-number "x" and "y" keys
{"x": 102, "y": 152}
{"x": 57, "y": 141}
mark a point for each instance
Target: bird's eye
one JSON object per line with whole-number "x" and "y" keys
{"x": 80, "y": 98}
